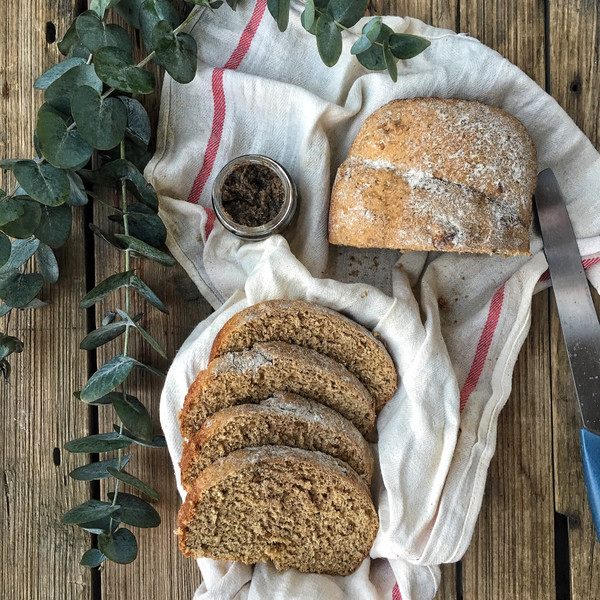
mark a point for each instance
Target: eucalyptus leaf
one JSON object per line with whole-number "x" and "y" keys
{"x": 145, "y": 292}
{"x": 18, "y": 289}
{"x": 100, "y": 121}
{"x": 61, "y": 145}
{"x": 144, "y": 224}
{"x": 80, "y": 50}
{"x": 138, "y": 121}
{"x": 329, "y": 40}
{"x": 361, "y": 44}
{"x": 117, "y": 69}
{"x": 53, "y": 73}
{"x": 135, "y": 511}
{"x": 107, "y": 377}
{"x": 77, "y": 194}
{"x": 103, "y": 401}
{"x": 280, "y": 10}
{"x": 308, "y": 16}
{"x": 55, "y": 225}
{"x": 130, "y": 11}
{"x": 101, "y": 6}
{"x": 142, "y": 332}
{"x": 372, "y": 28}
{"x": 94, "y": 33}
{"x": 109, "y": 317}
{"x": 120, "y": 547}
{"x": 69, "y": 40}
{"x": 43, "y": 182}
{"x": 104, "y": 525}
{"x": 92, "y": 558}
{"x": 99, "y": 442}
{"x": 390, "y": 61}
{"x": 108, "y": 237}
{"x": 373, "y": 58}
{"x": 46, "y": 263}
{"x": 177, "y": 53}
{"x": 29, "y": 216}
{"x": 134, "y": 416}
{"x": 141, "y": 189}
{"x": 347, "y": 13}
{"x": 405, "y": 45}
{"x": 233, "y": 4}
{"x": 59, "y": 94}
{"x": 20, "y": 252}
{"x": 151, "y": 13}
{"x": 98, "y": 470}
{"x": 104, "y": 288}
{"x": 143, "y": 249}
{"x": 5, "y": 369}
{"x": 134, "y": 482}
{"x": 5, "y": 249}
{"x": 88, "y": 511}
{"x": 158, "y": 441}
{"x": 9, "y": 345}
{"x": 102, "y": 335}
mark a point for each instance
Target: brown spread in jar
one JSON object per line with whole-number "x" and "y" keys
{"x": 252, "y": 194}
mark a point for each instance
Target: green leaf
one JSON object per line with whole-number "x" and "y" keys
{"x": 59, "y": 94}
{"x": 102, "y": 335}
{"x": 390, "y": 62}
{"x": 134, "y": 482}
{"x": 104, "y": 525}
{"x": 88, "y": 511}
{"x": 47, "y": 264}
{"x": 329, "y": 40}
{"x": 280, "y": 10}
{"x": 20, "y": 252}
{"x": 373, "y": 58}
{"x": 29, "y": 215}
{"x": 144, "y": 224}
{"x": 151, "y": 13}
{"x": 18, "y": 289}
{"x": 5, "y": 369}
{"x": 103, "y": 401}
{"x": 233, "y": 4}
{"x": 143, "y": 249}
{"x": 130, "y": 11}
{"x": 69, "y": 40}
{"x": 9, "y": 345}
{"x": 138, "y": 122}
{"x": 92, "y": 558}
{"x": 98, "y": 470}
{"x": 177, "y": 53}
{"x": 134, "y": 416}
{"x": 143, "y": 333}
{"x": 101, "y": 122}
{"x": 110, "y": 238}
{"x": 43, "y": 182}
{"x": 135, "y": 511}
{"x": 77, "y": 195}
{"x": 52, "y": 74}
{"x": 104, "y": 288}
{"x": 55, "y": 225}
{"x": 107, "y": 377}
{"x": 80, "y": 50}
{"x": 99, "y": 442}
{"x": 61, "y": 146}
{"x": 141, "y": 189}
{"x": 347, "y": 13}
{"x": 120, "y": 547}
{"x": 308, "y": 16}
{"x": 5, "y": 249}
{"x": 405, "y": 45}
{"x": 372, "y": 28}
{"x": 360, "y": 45}
{"x": 117, "y": 69}
{"x": 145, "y": 292}
{"x": 94, "y": 33}
{"x": 158, "y": 441}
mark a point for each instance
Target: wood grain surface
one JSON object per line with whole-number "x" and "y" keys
{"x": 534, "y": 538}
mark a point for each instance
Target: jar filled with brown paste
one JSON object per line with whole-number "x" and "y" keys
{"x": 254, "y": 197}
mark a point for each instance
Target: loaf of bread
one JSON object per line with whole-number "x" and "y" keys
{"x": 298, "y": 508}
{"x": 254, "y": 375}
{"x": 436, "y": 174}
{"x": 319, "y": 328}
{"x": 283, "y": 420}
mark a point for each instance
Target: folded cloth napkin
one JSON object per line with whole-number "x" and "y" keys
{"x": 454, "y": 324}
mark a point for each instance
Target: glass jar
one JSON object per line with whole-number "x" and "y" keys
{"x": 275, "y": 225}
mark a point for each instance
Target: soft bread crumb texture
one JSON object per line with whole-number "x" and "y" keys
{"x": 297, "y": 508}
{"x": 318, "y": 328}
{"x": 254, "y": 375}
{"x": 284, "y": 420}
{"x": 437, "y": 174}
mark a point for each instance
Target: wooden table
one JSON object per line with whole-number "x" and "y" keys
{"x": 534, "y": 538}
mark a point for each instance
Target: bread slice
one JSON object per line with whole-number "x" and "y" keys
{"x": 254, "y": 375}
{"x": 319, "y": 328}
{"x": 437, "y": 174}
{"x": 297, "y": 508}
{"x": 283, "y": 420}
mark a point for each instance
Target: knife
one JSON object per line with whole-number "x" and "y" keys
{"x": 579, "y": 323}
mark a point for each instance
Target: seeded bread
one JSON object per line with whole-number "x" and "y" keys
{"x": 254, "y": 375}
{"x": 297, "y": 508}
{"x": 436, "y": 174}
{"x": 316, "y": 327}
{"x": 284, "y": 420}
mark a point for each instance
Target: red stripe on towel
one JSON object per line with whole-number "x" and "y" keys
{"x": 483, "y": 347}
{"x": 587, "y": 263}
{"x": 396, "y": 595}
{"x": 220, "y": 109}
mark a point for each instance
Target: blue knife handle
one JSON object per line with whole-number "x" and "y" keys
{"x": 590, "y": 454}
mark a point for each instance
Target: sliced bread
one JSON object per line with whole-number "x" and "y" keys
{"x": 250, "y": 376}
{"x": 316, "y": 327}
{"x": 297, "y": 508}
{"x": 283, "y": 420}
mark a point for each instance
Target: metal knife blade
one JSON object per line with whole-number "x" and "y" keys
{"x": 576, "y": 310}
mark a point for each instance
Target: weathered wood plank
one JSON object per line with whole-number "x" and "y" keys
{"x": 574, "y": 82}
{"x": 39, "y": 557}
